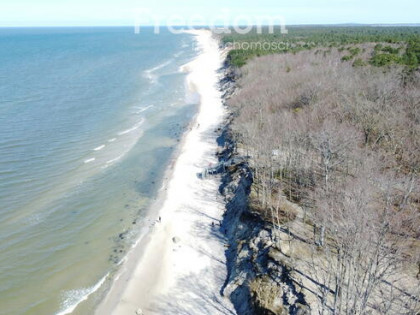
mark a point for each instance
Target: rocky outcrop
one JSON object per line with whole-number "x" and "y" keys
{"x": 259, "y": 280}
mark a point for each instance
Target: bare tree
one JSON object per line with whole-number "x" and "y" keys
{"x": 343, "y": 142}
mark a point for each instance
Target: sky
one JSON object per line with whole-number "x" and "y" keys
{"x": 185, "y": 12}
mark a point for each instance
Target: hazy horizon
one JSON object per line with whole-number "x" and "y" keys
{"x": 344, "y": 24}
{"x": 48, "y": 13}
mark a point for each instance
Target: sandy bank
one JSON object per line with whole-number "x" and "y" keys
{"x": 163, "y": 276}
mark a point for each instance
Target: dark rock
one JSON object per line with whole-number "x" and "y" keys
{"x": 302, "y": 309}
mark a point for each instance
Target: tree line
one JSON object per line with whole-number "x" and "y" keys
{"x": 299, "y": 38}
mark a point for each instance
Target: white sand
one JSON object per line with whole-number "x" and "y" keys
{"x": 164, "y": 277}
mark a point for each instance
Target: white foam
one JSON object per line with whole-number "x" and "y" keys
{"x": 112, "y": 140}
{"x": 114, "y": 160}
{"x": 158, "y": 67}
{"x": 185, "y": 68}
{"x": 35, "y": 219}
{"x": 149, "y": 72}
{"x": 99, "y": 148}
{"x": 135, "y": 127}
{"x": 162, "y": 187}
{"x": 75, "y": 297}
{"x": 89, "y": 160}
{"x": 144, "y": 109}
{"x": 122, "y": 260}
{"x": 176, "y": 55}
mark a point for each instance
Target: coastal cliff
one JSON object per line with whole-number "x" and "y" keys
{"x": 321, "y": 212}
{"x": 259, "y": 279}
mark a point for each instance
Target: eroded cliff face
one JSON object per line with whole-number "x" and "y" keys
{"x": 259, "y": 280}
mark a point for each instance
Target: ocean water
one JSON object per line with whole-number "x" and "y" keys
{"x": 89, "y": 119}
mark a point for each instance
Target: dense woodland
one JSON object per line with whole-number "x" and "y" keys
{"x": 333, "y": 127}
{"x": 397, "y": 45}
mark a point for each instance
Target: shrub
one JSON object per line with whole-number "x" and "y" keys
{"x": 412, "y": 53}
{"x": 378, "y": 47}
{"x": 391, "y": 50}
{"x": 380, "y": 60}
{"x": 347, "y": 58}
{"x": 359, "y": 62}
{"x": 411, "y": 60}
{"x": 354, "y": 51}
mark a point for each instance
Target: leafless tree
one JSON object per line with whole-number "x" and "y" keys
{"x": 343, "y": 142}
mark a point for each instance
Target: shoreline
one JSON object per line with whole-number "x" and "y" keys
{"x": 161, "y": 271}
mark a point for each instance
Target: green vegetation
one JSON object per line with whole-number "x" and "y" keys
{"x": 381, "y": 60}
{"x": 346, "y": 58}
{"x": 394, "y": 45}
{"x": 359, "y": 63}
{"x": 354, "y": 51}
{"x": 391, "y": 50}
{"x": 412, "y": 53}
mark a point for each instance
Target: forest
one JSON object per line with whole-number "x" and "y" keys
{"x": 401, "y": 45}
{"x": 332, "y": 124}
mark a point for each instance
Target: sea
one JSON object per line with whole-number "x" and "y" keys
{"x": 90, "y": 119}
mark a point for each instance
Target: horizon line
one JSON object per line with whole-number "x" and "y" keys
{"x": 414, "y": 24}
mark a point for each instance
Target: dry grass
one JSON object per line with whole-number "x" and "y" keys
{"x": 266, "y": 296}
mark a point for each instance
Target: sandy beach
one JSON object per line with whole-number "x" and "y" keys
{"x": 178, "y": 266}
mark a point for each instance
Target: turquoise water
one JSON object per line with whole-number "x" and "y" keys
{"x": 89, "y": 119}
